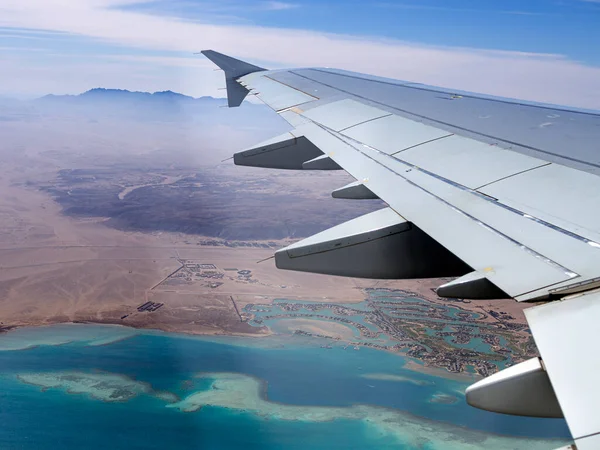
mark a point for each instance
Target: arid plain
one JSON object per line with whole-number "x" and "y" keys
{"x": 61, "y": 262}
{"x": 101, "y": 214}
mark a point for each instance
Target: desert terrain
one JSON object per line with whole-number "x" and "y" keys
{"x": 141, "y": 220}
{"x": 100, "y": 216}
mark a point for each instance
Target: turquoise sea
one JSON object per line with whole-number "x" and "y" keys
{"x": 93, "y": 387}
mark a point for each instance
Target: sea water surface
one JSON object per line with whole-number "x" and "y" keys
{"x": 92, "y": 386}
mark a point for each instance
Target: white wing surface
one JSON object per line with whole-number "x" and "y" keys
{"x": 502, "y": 194}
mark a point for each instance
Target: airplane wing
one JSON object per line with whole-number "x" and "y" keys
{"x": 502, "y": 194}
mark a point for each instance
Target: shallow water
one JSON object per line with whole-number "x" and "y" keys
{"x": 73, "y": 393}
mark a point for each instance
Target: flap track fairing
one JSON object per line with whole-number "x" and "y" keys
{"x": 472, "y": 286}
{"x": 522, "y": 390}
{"x": 354, "y": 191}
{"x": 322, "y": 162}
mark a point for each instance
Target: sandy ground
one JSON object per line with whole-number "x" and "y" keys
{"x": 439, "y": 372}
{"x": 55, "y": 269}
{"x": 318, "y": 327}
{"x": 58, "y": 269}
{"x": 425, "y": 288}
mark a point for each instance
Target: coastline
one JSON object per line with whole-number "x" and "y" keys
{"x": 413, "y": 365}
{"x": 409, "y": 363}
{"x": 149, "y": 328}
{"x": 331, "y": 324}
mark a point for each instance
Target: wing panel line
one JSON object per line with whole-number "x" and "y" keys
{"x": 287, "y": 108}
{"x": 416, "y": 86}
{"x": 418, "y": 145}
{"x": 366, "y": 121}
{"x": 485, "y": 197}
{"x": 502, "y": 205}
{"x": 511, "y": 175}
{"x": 529, "y": 147}
{"x": 569, "y": 273}
{"x": 439, "y": 177}
{"x": 291, "y": 87}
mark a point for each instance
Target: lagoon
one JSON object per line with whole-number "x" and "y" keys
{"x": 100, "y": 386}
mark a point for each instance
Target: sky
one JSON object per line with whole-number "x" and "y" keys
{"x": 541, "y": 50}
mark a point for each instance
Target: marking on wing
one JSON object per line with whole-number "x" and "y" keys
{"x": 296, "y": 109}
{"x": 289, "y": 108}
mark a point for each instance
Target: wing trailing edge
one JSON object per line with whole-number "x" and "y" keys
{"x": 380, "y": 245}
{"x": 522, "y": 390}
{"x": 322, "y": 162}
{"x": 472, "y": 286}
{"x": 288, "y": 151}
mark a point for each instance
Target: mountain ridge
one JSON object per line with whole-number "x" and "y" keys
{"x": 100, "y": 93}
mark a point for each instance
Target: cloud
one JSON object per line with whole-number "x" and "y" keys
{"x": 531, "y": 76}
{"x": 463, "y": 10}
{"x": 279, "y": 6}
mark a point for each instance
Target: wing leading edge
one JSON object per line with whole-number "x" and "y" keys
{"x": 478, "y": 188}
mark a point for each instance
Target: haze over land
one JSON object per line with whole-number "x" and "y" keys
{"x": 108, "y": 193}
{"x": 537, "y": 50}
